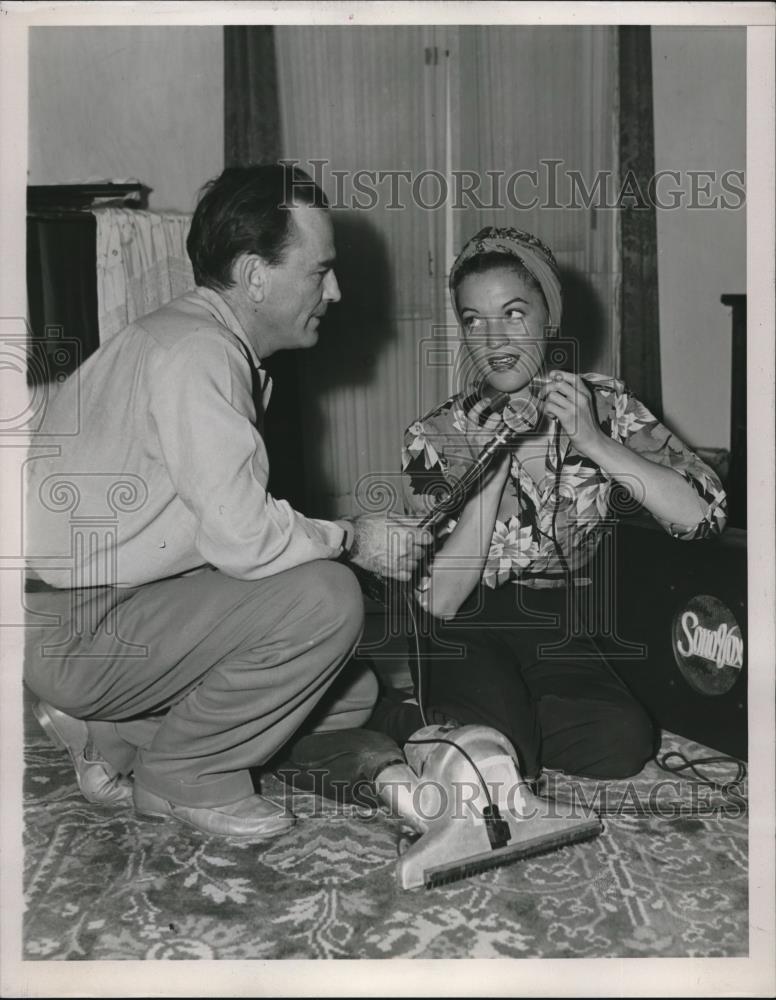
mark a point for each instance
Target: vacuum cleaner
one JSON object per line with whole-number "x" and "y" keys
{"x": 467, "y": 808}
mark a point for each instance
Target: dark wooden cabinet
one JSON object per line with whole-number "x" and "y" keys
{"x": 61, "y": 273}
{"x": 736, "y": 484}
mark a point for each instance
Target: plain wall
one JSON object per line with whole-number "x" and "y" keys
{"x": 127, "y": 102}
{"x": 699, "y": 77}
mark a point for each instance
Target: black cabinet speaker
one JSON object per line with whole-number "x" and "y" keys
{"x": 678, "y": 634}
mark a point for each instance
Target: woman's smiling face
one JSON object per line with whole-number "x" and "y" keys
{"x": 503, "y": 315}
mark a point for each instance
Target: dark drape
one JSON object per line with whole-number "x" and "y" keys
{"x": 252, "y": 134}
{"x": 640, "y": 337}
{"x": 251, "y": 109}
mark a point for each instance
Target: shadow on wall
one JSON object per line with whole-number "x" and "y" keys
{"x": 584, "y": 319}
{"x": 355, "y": 330}
{"x": 352, "y": 335}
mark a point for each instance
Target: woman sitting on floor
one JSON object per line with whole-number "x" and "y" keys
{"x": 510, "y": 564}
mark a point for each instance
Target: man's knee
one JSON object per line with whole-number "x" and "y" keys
{"x": 50, "y": 681}
{"x": 349, "y": 702}
{"x": 57, "y": 691}
{"x": 331, "y": 599}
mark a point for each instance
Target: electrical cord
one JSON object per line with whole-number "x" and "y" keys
{"x": 492, "y": 810}
{"x": 450, "y": 743}
{"x": 553, "y": 536}
{"x": 556, "y": 502}
{"x": 467, "y": 480}
{"x": 497, "y": 828}
{"x": 691, "y": 764}
{"x": 418, "y": 658}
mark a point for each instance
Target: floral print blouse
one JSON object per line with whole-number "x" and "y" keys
{"x": 440, "y": 446}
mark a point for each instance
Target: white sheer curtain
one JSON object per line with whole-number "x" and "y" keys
{"x": 443, "y": 99}
{"x": 141, "y": 264}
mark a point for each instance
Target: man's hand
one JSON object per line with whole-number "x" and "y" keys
{"x": 389, "y": 546}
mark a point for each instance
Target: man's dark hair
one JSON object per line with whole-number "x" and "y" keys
{"x": 246, "y": 210}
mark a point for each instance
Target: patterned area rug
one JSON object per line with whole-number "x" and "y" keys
{"x": 668, "y": 877}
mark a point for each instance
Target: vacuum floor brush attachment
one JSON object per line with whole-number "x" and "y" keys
{"x": 462, "y": 792}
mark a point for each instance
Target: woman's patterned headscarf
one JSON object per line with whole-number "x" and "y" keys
{"x": 534, "y": 255}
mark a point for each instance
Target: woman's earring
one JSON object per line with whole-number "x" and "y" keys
{"x": 551, "y": 332}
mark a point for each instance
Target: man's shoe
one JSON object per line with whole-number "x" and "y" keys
{"x": 254, "y": 817}
{"x": 97, "y": 780}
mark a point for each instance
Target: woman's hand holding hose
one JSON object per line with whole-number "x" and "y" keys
{"x": 568, "y": 400}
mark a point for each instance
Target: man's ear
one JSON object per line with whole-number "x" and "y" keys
{"x": 251, "y": 274}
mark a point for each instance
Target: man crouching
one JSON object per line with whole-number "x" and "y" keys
{"x": 184, "y": 623}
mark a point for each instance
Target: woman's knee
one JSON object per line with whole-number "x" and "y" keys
{"x": 642, "y": 740}
{"x": 596, "y": 739}
{"x": 628, "y": 737}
